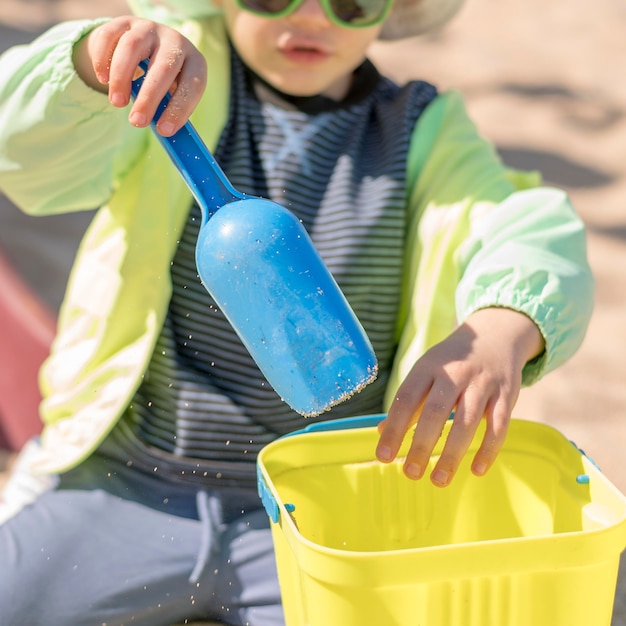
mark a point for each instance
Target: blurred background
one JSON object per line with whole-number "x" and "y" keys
{"x": 545, "y": 82}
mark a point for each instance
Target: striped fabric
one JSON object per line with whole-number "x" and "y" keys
{"x": 204, "y": 410}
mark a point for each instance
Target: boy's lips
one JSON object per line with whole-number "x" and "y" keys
{"x": 301, "y": 50}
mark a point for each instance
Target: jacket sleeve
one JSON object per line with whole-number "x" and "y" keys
{"x": 529, "y": 254}
{"x": 62, "y": 145}
{"x": 481, "y": 235}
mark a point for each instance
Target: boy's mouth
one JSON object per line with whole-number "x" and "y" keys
{"x": 302, "y": 51}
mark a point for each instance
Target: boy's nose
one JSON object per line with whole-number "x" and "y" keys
{"x": 310, "y": 10}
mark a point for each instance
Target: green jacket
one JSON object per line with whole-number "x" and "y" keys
{"x": 478, "y": 234}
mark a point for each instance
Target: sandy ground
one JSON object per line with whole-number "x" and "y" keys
{"x": 544, "y": 81}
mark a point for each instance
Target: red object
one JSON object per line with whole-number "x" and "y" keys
{"x": 27, "y": 327}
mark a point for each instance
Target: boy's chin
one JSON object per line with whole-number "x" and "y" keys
{"x": 303, "y": 89}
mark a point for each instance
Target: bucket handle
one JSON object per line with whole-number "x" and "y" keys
{"x": 345, "y": 423}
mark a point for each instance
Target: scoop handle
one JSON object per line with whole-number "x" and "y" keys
{"x": 204, "y": 177}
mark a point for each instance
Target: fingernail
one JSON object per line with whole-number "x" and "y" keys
{"x": 118, "y": 99}
{"x": 440, "y": 477}
{"x": 138, "y": 119}
{"x": 413, "y": 470}
{"x": 166, "y": 128}
{"x": 384, "y": 453}
{"x": 480, "y": 468}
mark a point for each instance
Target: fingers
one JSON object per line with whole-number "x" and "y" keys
{"x": 436, "y": 399}
{"x": 116, "y": 48}
{"x": 187, "y": 92}
{"x": 402, "y": 415}
{"x": 175, "y": 67}
{"x": 498, "y": 421}
{"x": 467, "y": 417}
{"x": 436, "y": 410}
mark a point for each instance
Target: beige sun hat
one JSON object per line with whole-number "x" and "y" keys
{"x": 417, "y": 17}
{"x": 407, "y": 18}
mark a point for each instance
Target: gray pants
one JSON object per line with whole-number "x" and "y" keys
{"x": 114, "y": 546}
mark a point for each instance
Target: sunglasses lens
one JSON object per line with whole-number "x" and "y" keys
{"x": 359, "y": 12}
{"x": 269, "y": 7}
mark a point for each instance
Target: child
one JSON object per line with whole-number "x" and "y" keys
{"x": 469, "y": 282}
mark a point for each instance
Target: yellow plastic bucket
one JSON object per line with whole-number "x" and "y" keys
{"x": 536, "y": 542}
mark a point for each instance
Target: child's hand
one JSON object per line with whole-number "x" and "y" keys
{"x": 107, "y": 58}
{"x": 476, "y": 372}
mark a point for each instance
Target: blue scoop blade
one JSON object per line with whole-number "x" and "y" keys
{"x": 259, "y": 264}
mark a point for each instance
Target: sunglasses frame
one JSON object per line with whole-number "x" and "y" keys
{"x": 328, "y": 11}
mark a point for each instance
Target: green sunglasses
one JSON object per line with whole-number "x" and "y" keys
{"x": 347, "y": 13}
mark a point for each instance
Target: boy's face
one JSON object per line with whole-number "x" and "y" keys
{"x": 301, "y": 54}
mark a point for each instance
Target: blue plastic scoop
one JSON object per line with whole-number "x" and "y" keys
{"x": 260, "y": 266}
